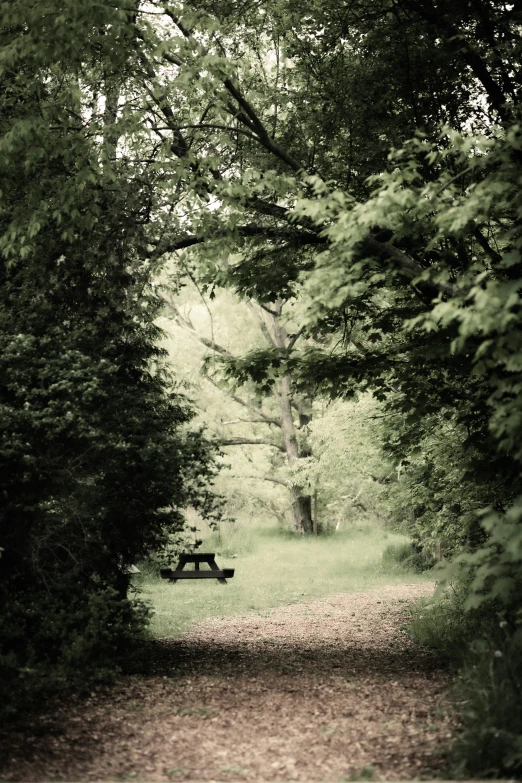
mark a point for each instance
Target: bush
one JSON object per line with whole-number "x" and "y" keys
{"x": 96, "y": 462}
{"x": 406, "y": 556}
{"x": 486, "y": 645}
{"x": 444, "y": 625}
{"x": 95, "y": 466}
{"x": 489, "y": 692}
{"x": 58, "y": 644}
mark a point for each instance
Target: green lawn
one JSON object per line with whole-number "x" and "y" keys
{"x": 273, "y": 568}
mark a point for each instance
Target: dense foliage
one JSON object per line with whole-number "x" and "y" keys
{"x": 96, "y": 463}
{"x": 358, "y": 161}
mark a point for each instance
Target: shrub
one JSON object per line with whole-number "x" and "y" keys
{"x": 486, "y": 645}
{"x": 489, "y": 692}
{"x": 406, "y": 556}
{"x": 55, "y": 644}
{"x": 96, "y": 462}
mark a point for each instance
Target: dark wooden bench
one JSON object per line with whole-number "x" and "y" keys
{"x": 215, "y": 572}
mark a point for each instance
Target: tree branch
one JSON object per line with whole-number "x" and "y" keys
{"x": 263, "y": 136}
{"x": 249, "y": 442}
{"x": 179, "y": 145}
{"x": 262, "y": 325}
{"x": 186, "y": 324}
{"x": 189, "y": 240}
{"x": 212, "y": 126}
{"x": 268, "y": 309}
{"x": 247, "y": 116}
{"x": 386, "y": 252}
{"x": 294, "y": 338}
{"x": 264, "y": 478}
{"x": 245, "y": 403}
{"x": 483, "y": 242}
{"x": 252, "y": 421}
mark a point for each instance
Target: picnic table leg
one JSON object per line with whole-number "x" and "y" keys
{"x": 180, "y": 566}
{"x": 214, "y": 566}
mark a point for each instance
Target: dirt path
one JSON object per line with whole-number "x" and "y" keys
{"x": 323, "y": 690}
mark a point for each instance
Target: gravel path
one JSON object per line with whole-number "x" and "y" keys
{"x": 324, "y": 690}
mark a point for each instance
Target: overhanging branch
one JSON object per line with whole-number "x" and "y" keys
{"x": 186, "y": 323}
{"x": 249, "y": 442}
{"x": 264, "y": 478}
{"x": 245, "y": 403}
{"x": 267, "y": 232}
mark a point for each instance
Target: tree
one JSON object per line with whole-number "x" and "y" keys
{"x": 264, "y": 159}
{"x": 277, "y": 423}
{"x": 251, "y": 170}
{"x": 96, "y": 463}
{"x": 338, "y": 460}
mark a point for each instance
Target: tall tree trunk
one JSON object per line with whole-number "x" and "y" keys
{"x": 275, "y": 335}
{"x": 301, "y": 512}
{"x": 301, "y": 503}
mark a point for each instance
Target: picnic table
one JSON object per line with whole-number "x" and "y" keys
{"x": 215, "y": 572}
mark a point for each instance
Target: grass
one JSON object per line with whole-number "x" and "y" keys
{"x": 404, "y": 555}
{"x": 488, "y": 688}
{"x": 274, "y": 568}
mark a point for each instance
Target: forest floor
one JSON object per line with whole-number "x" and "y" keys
{"x": 322, "y": 690}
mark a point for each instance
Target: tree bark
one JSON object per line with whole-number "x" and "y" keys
{"x": 301, "y": 503}
{"x": 301, "y": 512}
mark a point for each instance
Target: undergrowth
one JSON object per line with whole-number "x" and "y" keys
{"x": 407, "y": 556}
{"x": 485, "y": 646}
{"x": 231, "y": 538}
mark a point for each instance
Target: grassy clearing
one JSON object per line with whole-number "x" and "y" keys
{"x": 274, "y": 568}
